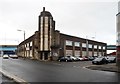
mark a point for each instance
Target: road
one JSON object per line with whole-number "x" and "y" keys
{"x": 6, "y": 80}
{"x": 36, "y": 71}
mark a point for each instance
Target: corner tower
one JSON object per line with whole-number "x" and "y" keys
{"x": 46, "y": 34}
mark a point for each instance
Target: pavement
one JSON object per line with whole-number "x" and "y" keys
{"x": 105, "y": 67}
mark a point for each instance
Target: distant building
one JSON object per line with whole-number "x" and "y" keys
{"x": 49, "y": 44}
{"x": 111, "y": 47}
{"x": 8, "y": 49}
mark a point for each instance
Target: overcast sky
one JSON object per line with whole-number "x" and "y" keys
{"x": 81, "y": 18}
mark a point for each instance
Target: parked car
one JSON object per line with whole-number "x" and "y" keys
{"x": 79, "y": 58}
{"x": 5, "y": 57}
{"x": 111, "y": 59}
{"x": 100, "y": 60}
{"x": 65, "y": 59}
{"x": 85, "y": 58}
{"x": 91, "y": 58}
{"x": 73, "y": 58}
{"x": 13, "y": 56}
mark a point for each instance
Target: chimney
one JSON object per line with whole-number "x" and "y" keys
{"x": 43, "y": 8}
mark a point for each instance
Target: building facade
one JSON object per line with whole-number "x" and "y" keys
{"x": 49, "y": 44}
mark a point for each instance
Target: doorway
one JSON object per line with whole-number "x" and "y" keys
{"x": 46, "y": 56}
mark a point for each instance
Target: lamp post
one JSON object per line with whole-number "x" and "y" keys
{"x": 24, "y": 40}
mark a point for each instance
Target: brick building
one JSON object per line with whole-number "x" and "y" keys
{"x": 48, "y": 43}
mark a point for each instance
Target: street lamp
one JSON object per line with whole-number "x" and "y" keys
{"x": 24, "y": 40}
{"x": 23, "y": 31}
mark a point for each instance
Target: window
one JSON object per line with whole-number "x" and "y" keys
{"x": 103, "y": 47}
{"x": 46, "y": 20}
{"x": 77, "y": 44}
{"x": 69, "y": 52}
{"x": 90, "y": 45}
{"x": 77, "y": 53}
{"x": 99, "y": 47}
{"x": 84, "y": 53}
{"x": 95, "y": 53}
{"x": 46, "y": 31}
{"x": 30, "y": 43}
{"x": 69, "y": 43}
{"x": 84, "y": 45}
{"x": 41, "y": 20}
{"x": 99, "y": 53}
{"x": 95, "y": 46}
{"x": 90, "y": 53}
{"x": 50, "y": 23}
{"x": 27, "y": 44}
{"x": 46, "y": 44}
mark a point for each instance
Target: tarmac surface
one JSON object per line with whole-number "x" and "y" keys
{"x": 35, "y": 71}
{"x": 105, "y": 67}
{"x": 7, "y": 80}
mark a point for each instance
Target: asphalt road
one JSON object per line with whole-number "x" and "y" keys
{"x": 4, "y": 79}
{"x": 36, "y": 71}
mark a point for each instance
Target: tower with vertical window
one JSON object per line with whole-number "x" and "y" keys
{"x": 46, "y": 34}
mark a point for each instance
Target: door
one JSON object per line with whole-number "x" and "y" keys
{"x": 46, "y": 55}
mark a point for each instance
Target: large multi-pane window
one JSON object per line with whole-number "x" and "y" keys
{"x": 84, "y": 53}
{"x": 84, "y": 45}
{"x": 77, "y": 44}
{"x": 46, "y": 43}
{"x": 103, "y": 47}
{"x": 99, "y": 53}
{"x": 95, "y": 46}
{"x": 27, "y": 46}
{"x": 46, "y": 20}
{"x": 95, "y": 53}
{"x": 99, "y": 47}
{"x": 41, "y": 20}
{"x": 90, "y": 53}
{"x": 77, "y": 53}
{"x": 69, "y": 52}
{"x": 69, "y": 43}
{"x": 90, "y": 45}
{"x": 50, "y": 23}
